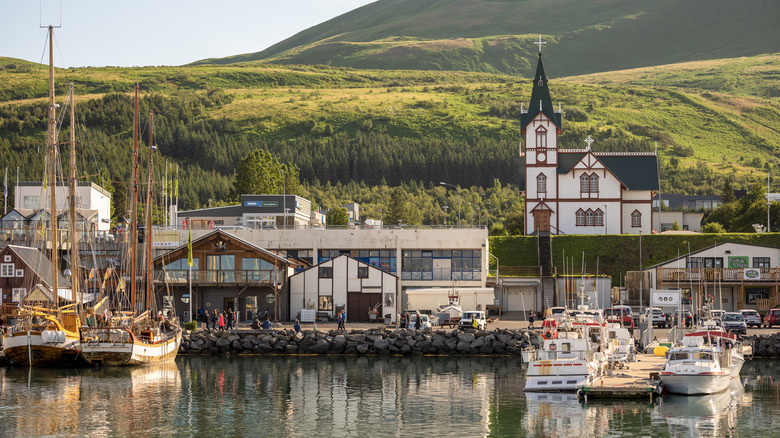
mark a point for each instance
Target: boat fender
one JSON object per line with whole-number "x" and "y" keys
{"x": 552, "y": 347}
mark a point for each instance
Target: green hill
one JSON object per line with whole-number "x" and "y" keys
{"x": 350, "y": 129}
{"x": 496, "y": 36}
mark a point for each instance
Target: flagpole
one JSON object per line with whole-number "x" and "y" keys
{"x": 189, "y": 262}
{"x": 5, "y": 193}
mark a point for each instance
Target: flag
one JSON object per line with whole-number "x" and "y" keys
{"x": 189, "y": 248}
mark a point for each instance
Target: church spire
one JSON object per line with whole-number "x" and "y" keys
{"x": 540, "y": 96}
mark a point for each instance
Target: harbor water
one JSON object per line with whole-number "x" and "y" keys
{"x": 358, "y": 396}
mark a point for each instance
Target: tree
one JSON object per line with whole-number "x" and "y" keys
{"x": 396, "y": 208}
{"x": 727, "y": 192}
{"x": 676, "y": 226}
{"x": 515, "y": 223}
{"x": 338, "y": 216}
{"x": 260, "y": 172}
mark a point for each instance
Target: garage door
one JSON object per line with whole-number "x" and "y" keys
{"x": 519, "y": 299}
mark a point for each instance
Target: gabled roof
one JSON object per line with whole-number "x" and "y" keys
{"x": 227, "y": 237}
{"x": 698, "y": 251}
{"x": 329, "y": 261}
{"x": 567, "y": 161}
{"x": 637, "y": 172}
{"x": 540, "y": 100}
{"x": 39, "y": 264}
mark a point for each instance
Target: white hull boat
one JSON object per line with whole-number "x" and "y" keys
{"x": 703, "y": 363}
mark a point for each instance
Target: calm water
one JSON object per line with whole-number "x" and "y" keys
{"x": 315, "y": 396}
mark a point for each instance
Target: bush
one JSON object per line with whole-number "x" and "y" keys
{"x": 713, "y": 227}
{"x": 192, "y": 325}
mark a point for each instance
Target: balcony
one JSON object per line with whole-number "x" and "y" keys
{"x": 215, "y": 277}
{"x": 726, "y": 275}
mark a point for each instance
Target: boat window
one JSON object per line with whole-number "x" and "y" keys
{"x": 705, "y": 356}
{"x": 678, "y": 356}
{"x": 566, "y": 347}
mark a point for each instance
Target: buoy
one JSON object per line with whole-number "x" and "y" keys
{"x": 660, "y": 351}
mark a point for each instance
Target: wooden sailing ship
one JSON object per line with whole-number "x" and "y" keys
{"x": 48, "y": 334}
{"x": 131, "y": 336}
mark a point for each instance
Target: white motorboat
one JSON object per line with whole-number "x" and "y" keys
{"x": 622, "y": 344}
{"x": 703, "y": 362}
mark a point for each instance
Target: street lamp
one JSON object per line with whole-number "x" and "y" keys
{"x": 284, "y": 197}
{"x": 458, "y": 190}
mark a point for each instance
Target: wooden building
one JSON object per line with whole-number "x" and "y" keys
{"x": 21, "y": 269}
{"x": 227, "y": 273}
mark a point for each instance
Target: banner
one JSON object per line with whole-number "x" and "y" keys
{"x": 751, "y": 274}
{"x": 664, "y": 298}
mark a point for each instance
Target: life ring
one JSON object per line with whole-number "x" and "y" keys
{"x": 548, "y": 335}
{"x": 552, "y": 347}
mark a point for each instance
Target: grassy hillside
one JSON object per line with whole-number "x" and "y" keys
{"x": 710, "y": 120}
{"x": 496, "y": 35}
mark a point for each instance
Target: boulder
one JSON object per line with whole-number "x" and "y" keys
{"x": 466, "y": 337}
{"x": 362, "y": 348}
{"x": 381, "y": 344}
{"x": 463, "y": 346}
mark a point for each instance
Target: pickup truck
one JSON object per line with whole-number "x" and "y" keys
{"x": 465, "y": 320}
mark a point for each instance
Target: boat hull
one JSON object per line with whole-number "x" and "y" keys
{"x": 19, "y": 349}
{"x": 132, "y": 353}
{"x": 695, "y": 384}
{"x": 560, "y": 375}
{"x": 153, "y": 353}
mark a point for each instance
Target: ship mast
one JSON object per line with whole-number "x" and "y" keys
{"x": 133, "y": 210}
{"x": 148, "y": 235}
{"x": 51, "y": 134}
{"x": 74, "y": 241}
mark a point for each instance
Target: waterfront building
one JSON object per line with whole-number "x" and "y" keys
{"x": 579, "y": 191}
{"x": 21, "y": 269}
{"x": 30, "y": 195}
{"x": 729, "y": 276}
{"x": 256, "y": 212}
{"x": 345, "y": 283}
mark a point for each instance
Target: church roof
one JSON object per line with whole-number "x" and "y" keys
{"x": 540, "y": 100}
{"x": 637, "y": 172}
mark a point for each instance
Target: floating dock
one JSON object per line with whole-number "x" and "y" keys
{"x": 638, "y": 379}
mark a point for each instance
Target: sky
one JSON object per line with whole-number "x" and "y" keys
{"x": 100, "y": 33}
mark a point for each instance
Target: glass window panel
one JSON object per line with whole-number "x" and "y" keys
{"x": 416, "y": 253}
{"x": 427, "y": 253}
{"x": 427, "y": 264}
{"x": 373, "y": 253}
{"x": 456, "y": 253}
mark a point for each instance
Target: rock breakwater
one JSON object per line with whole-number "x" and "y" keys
{"x": 381, "y": 341}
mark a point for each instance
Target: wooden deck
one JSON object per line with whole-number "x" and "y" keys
{"x": 632, "y": 381}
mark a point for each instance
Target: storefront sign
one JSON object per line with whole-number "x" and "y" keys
{"x": 738, "y": 262}
{"x": 165, "y": 239}
{"x": 261, "y": 203}
{"x": 751, "y": 274}
{"x": 664, "y": 297}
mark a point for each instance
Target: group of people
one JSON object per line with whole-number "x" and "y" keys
{"x": 341, "y": 319}
{"x": 216, "y": 320}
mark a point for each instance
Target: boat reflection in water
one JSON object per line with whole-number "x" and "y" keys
{"x": 702, "y": 415}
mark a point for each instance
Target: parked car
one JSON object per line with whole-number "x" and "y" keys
{"x": 734, "y": 322}
{"x": 465, "y": 320}
{"x": 688, "y": 318}
{"x": 620, "y": 314}
{"x": 656, "y": 316}
{"x": 772, "y": 318}
{"x": 752, "y": 317}
{"x": 425, "y": 320}
{"x": 717, "y": 314}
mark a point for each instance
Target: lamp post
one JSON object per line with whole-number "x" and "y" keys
{"x": 606, "y": 220}
{"x": 284, "y": 197}
{"x": 458, "y": 190}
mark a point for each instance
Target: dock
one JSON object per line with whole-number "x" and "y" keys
{"x": 637, "y": 379}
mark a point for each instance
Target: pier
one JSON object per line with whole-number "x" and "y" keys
{"x": 638, "y": 379}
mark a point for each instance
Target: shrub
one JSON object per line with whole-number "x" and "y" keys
{"x": 192, "y": 325}
{"x": 713, "y": 227}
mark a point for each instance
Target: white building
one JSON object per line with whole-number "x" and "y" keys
{"x": 344, "y": 283}
{"x": 578, "y": 191}
{"x": 89, "y": 196}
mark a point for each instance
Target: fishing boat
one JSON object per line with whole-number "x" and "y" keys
{"x": 48, "y": 334}
{"x": 574, "y": 353}
{"x": 125, "y": 335}
{"x": 703, "y": 362}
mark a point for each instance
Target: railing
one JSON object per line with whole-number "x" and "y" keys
{"x": 214, "y": 276}
{"x": 715, "y": 274}
{"x": 9, "y": 310}
{"x": 556, "y": 354}
{"x": 442, "y": 274}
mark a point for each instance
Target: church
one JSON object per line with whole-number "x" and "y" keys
{"x": 579, "y": 191}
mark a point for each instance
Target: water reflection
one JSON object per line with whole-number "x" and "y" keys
{"x": 338, "y": 396}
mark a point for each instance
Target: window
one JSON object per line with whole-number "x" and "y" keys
{"x": 760, "y": 262}
{"x": 7, "y": 258}
{"x": 594, "y": 183}
{"x": 326, "y": 272}
{"x": 599, "y": 215}
{"x": 362, "y": 271}
{"x": 541, "y": 183}
{"x": 693, "y": 262}
{"x": 17, "y": 294}
{"x": 326, "y": 303}
{"x": 636, "y": 219}
{"x": 541, "y": 137}
{"x": 584, "y": 183}
{"x": 589, "y": 218}
{"x": 20, "y": 272}
{"x": 7, "y": 270}
{"x": 580, "y": 218}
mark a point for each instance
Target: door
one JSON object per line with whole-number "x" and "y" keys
{"x": 358, "y": 304}
{"x": 542, "y": 220}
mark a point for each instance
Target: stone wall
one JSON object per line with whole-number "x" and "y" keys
{"x": 357, "y": 342}
{"x": 764, "y": 345}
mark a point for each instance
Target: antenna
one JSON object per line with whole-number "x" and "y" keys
{"x": 40, "y": 16}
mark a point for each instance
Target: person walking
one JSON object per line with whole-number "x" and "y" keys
{"x": 222, "y": 321}
{"x": 418, "y": 322}
{"x": 531, "y": 317}
{"x": 229, "y": 319}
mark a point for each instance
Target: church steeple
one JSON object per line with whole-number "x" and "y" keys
{"x": 540, "y": 96}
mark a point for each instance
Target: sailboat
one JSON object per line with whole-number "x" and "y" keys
{"x": 127, "y": 336}
{"x": 48, "y": 334}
